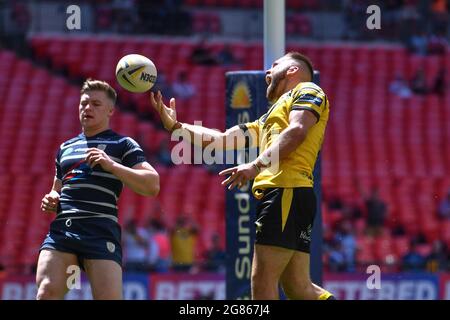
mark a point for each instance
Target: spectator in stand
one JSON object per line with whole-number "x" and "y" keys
{"x": 418, "y": 238}
{"x": 398, "y": 230}
{"x": 20, "y": 15}
{"x": 376, "y": 213}
{"x": 215, "y": 256}
{"x": 202, "y": 55}
{"x": 160, "y": 243}
{"x": 418, "y": 43}
{"x": 151, "y": 247}
{"x": 336, "y": 257}
{"x": 162, "y": 17}
{"x": 18, "y": 29}
{"x": 182, "y": 88}
{"x": 183, "y": 240}
{"x": 409, "y": 14}
{"x": 439, "y": 17}
{"x": 125, "y": 16}
{"x": 444, "y": 207}
{"x": 354, "y": 22}
{"x": 355, "y": 209}
{"x": 413, "y": 261}
{"x": 225, "y": 56}
{"x": 347, "y": 239}
{"x": 437, "y": 43}
{"x": 103, "y": 10}
{"x": 135, "y": 247}
{"x": 390, "y": 17}
{"x": 439, "y": 84}
{"x": 400, "y": 88}
{"x": 335, "y": 203}
{"x": 419, "y": 83}
{"x": 438, "y": 259}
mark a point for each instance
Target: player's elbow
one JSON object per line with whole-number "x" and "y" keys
{"x": 217, "y": 140}
{"x": 153, "y": 186}
{"x": 154, "y": 191}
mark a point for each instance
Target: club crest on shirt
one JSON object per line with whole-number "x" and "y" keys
{"x": 101, "y": 147}
{"x": 110, "y": 246}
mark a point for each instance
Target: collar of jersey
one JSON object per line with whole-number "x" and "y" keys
{"x": 105, "y": 132}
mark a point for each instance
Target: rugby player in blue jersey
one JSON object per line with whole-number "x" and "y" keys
{"x": 90, "y": 172}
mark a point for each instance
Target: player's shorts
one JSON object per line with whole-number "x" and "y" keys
{"x": 91, "y": 238}
{"x": 284, "y": 218}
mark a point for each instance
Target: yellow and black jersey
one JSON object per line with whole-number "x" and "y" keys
{"x": 295, "y": 170}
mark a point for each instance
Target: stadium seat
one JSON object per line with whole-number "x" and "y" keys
{"x": 365, "y": 253}
{"x": 387, "y": 139}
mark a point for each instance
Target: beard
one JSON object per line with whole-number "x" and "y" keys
{"x": 274, "y": 90}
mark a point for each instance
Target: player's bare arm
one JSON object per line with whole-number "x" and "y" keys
{"x": 231, "y": 139}
{"x": 300, "y": 121}
{"x": 141, "y": 178}
{"x": 50, "y": 200}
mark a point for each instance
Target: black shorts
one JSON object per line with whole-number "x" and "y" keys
{"x": 91, "y": 238}
{"x": 284, "y": 218}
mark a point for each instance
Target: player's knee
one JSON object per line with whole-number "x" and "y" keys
{"x": 48, "y": 290}
{"x": 256, "y": 284}
{"x": 109, "y": 294}
{"x": 264, "y": 275}
{"x": 259, "y": 279}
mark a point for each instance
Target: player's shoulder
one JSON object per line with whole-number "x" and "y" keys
{"x": 307, "y": 87}
{"x": 126, "y": 140}
{"x": 116, "y": 137}
{"x": 70, "y": 141}
{"x": 110, "y": 135}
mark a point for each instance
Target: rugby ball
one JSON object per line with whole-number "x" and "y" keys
{"x": 136, "y": 73}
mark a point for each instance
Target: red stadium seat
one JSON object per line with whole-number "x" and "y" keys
{"x": 386, "y": 140}
{"x": 365, "y": 253}
{"x": 401, "y": 245}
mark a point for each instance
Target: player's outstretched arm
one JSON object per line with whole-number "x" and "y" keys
{"x": 50, "y": 201}
{"x": 233, "y": 138}
{"x": 300, "y": 121}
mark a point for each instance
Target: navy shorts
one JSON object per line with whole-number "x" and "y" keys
{"x": 90, "y": 238}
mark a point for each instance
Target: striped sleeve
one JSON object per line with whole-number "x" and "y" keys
{"x": 311, "y": 99}
{"x": 132, "y": 153}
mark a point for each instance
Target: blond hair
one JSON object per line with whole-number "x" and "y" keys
{"x": 98, "y": 85}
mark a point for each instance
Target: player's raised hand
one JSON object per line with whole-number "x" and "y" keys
{"x": 96, "y": 156}
{"x": 239, "y": 175}
{"x": 168, "y": 115}
{"x": 50, "y": 202}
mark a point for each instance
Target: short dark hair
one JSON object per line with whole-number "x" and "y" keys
{"x": 302, "y": 58}
{"x": 98, "y": 85}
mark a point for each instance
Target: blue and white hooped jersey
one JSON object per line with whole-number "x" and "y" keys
{"x": 92, "y": 192}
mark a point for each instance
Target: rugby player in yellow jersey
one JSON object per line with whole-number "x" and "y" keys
{"x": 289, "y": 137}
